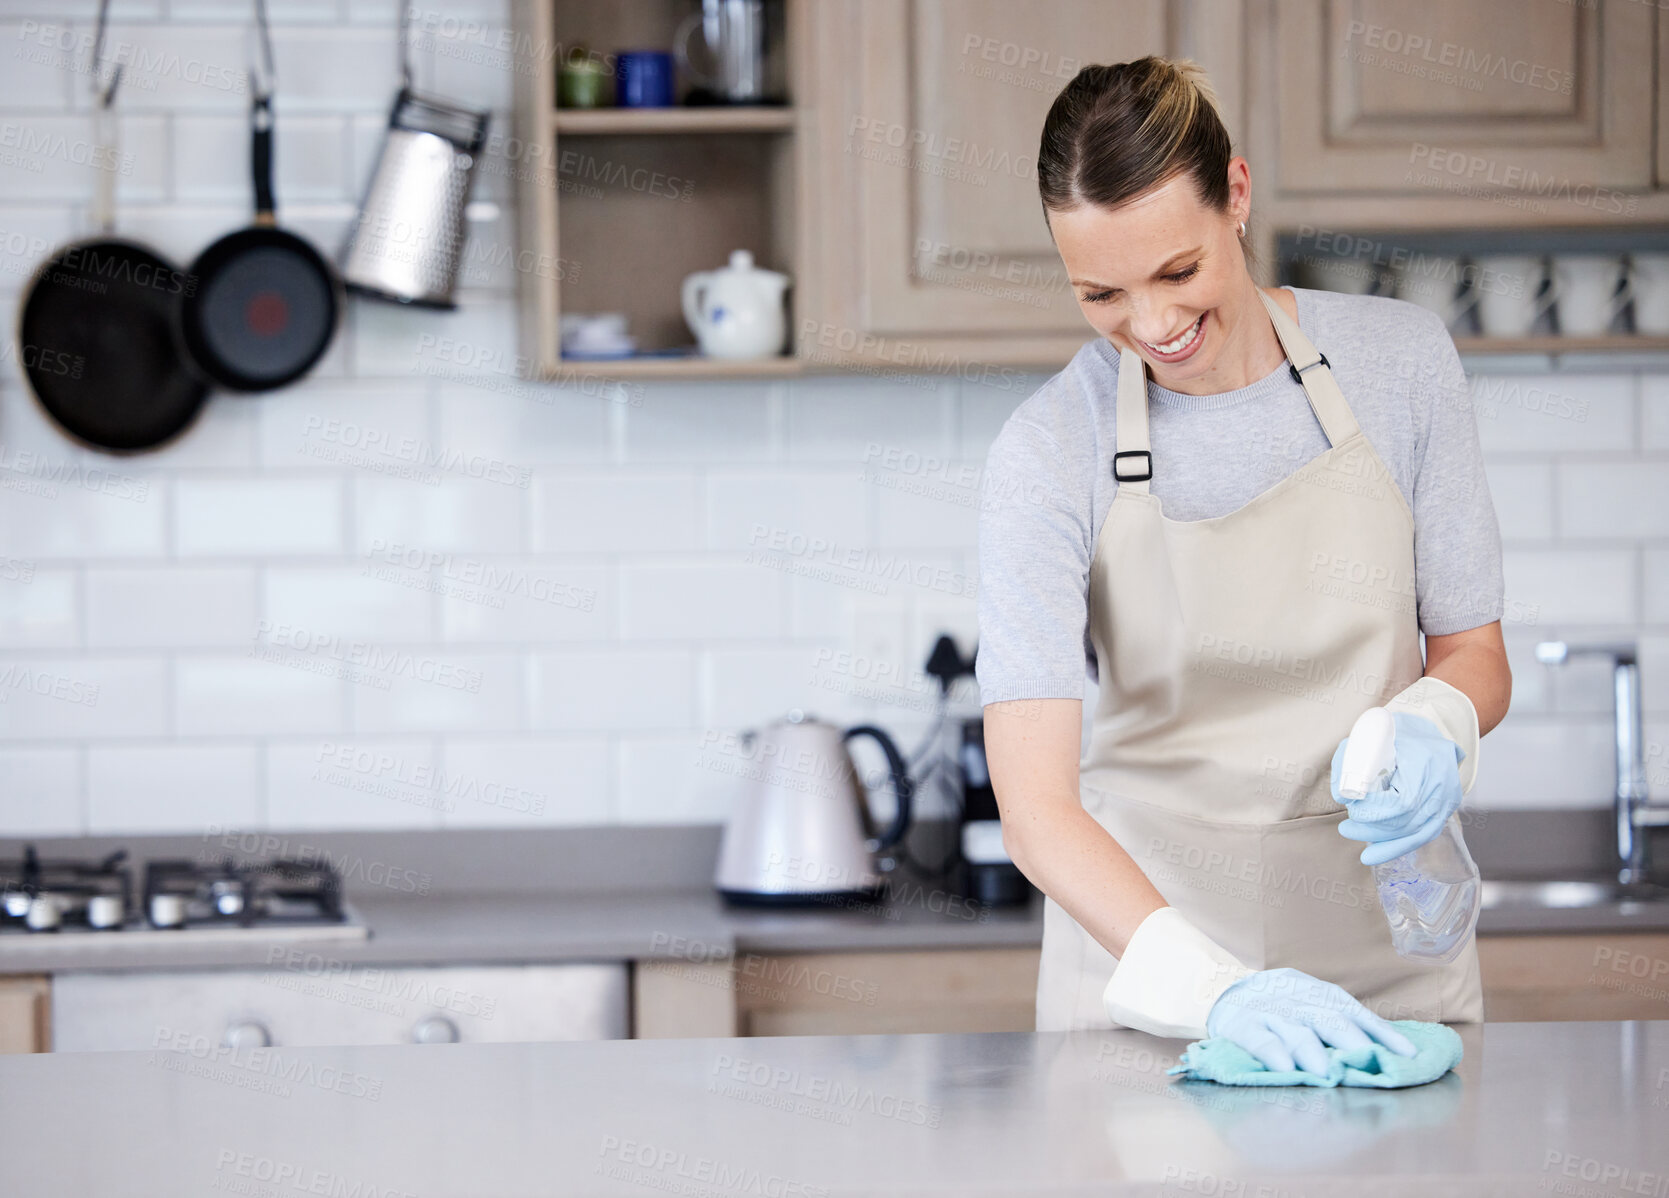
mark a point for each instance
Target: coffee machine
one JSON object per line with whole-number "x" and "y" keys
{"x": 988, "y": 875}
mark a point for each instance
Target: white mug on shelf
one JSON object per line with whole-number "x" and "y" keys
{"x": 1649, "y": 277}
{"x": 1589, "y": 295}
{"x": 1324, "y": 272}
{"x": 1436, "y": 283}
{"x": 1508, "y": 301}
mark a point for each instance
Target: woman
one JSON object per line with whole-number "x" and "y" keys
{"x": 1244, "y": 552}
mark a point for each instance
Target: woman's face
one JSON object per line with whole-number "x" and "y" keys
{"x": 1163, "y": 275}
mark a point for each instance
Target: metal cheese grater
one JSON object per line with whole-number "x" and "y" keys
{"x": 407, "y": 240}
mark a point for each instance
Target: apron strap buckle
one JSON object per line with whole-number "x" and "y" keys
{"x": 1298, "y": 375}
{"x": 1133, "y": 453}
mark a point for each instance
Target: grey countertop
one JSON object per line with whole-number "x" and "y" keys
{"x": 1572, "y": 1108}
{"x": 615, "y": 893}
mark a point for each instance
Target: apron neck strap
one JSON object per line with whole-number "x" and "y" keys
{"x": 1133, "y": 461}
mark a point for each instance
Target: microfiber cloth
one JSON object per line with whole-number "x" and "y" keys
{"x": 1438, "y": 1050}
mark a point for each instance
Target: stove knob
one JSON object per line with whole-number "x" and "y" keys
{"x": 105, "y": 911}
{"x": 44, "y": 914}
{"x": 436, "y": 1029}
{"x": 168, "y": 910}
{"x": 248, "y": 1034}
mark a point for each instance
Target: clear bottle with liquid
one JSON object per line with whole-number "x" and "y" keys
{"x": 1431, "y": 896}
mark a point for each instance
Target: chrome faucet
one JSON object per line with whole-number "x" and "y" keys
{"x": 1634, "y": 809}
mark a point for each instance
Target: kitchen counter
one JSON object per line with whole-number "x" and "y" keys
{"x": 531, "y": 927}
{"x": 627, "y": 893}
{"x": 1574, "y": 1108}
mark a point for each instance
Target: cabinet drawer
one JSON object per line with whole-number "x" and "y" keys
{"x": 337, "y": 1003}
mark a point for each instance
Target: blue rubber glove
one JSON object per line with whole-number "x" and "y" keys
{"x": 1284, "y": 1016}
{"x": 1424, "y": 792}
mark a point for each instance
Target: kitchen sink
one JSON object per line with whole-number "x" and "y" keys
{"x": 1567, "y": 893}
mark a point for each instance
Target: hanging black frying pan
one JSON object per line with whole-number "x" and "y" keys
{"x": 95, "y": 330}
{"x": 266, "y": 302}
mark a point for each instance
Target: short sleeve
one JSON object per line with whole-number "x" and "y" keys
{"x": 1034, "y": 561}
{"x": 1457, "y": 540}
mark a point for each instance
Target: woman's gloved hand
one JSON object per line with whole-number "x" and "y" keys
{"x": 1283, "y": 1017}
{"x": 1424, "y": 792}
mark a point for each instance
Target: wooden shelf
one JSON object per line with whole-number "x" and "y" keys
{"x": 693, "y": 367}
{"x": 1559, "y": 345}
{"x": 617, "y": 121}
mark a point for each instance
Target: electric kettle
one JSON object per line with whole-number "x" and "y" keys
{"x": 801, "y": 830}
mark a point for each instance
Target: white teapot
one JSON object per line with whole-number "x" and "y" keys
{"x": 737, "y": 310}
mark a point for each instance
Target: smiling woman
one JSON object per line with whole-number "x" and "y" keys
{"x": 1245, "y": 560}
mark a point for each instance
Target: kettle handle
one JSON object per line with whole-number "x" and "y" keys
{"x": 903, "y": 788}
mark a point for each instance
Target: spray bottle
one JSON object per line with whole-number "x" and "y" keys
{"x": 1431, "y": 895}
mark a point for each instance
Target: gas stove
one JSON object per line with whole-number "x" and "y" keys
{"x": 44, "y": 898}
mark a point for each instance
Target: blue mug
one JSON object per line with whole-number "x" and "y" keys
{"x": 643, "y": 79}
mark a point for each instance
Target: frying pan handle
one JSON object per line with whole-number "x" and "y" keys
{"x": 260, "y": 155}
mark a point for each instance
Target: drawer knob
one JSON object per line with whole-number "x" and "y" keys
{"x": 436, "y": 1029}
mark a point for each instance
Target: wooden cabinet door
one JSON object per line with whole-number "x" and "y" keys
{"x": 1464, "y": 97}
{"x": 922, "y": 214}
{"x": 25, "y": 1014}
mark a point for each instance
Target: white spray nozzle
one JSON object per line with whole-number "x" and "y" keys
{"x": 1370, "y": 755}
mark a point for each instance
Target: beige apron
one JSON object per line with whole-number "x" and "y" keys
{"x": 1234, "y": 654}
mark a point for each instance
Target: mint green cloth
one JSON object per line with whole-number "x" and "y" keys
{"x": 1438, "y": 1050}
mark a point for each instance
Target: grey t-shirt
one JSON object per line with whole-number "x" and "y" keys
{"x": 1048, "y": 480}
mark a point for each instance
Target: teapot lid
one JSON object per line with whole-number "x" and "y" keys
{"x": 741, "y": 260}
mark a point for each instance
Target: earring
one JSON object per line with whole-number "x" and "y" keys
{"x": 1243, "y": 228}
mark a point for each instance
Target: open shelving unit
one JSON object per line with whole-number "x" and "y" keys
{"x": 624, "y": 203}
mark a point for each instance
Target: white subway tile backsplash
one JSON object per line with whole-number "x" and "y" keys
{"x": 161, "y": 607}
{"x": 686, "y": 778}
{"x": 1523, "y": 496}
{"x": 171, "y": 787}
{"x": 802, "y": 515}
{"x": 29, "y": 236}
{"x": 331, "y": 425}
{"x": 747, "y": 688}
{"x": 291, "y": 686}
{"x": 546, "y": 781}
{"x": 40, "y": 57}
{"x": 1654, "y": 412}
{"x": 417, "y": 589}
{"x": 211, "y": 159}
{"x": 335, "y": 68}
{"x": 720, "y": 601}
{"x": 620, "y": 690}
{"x": 1656, "y": 588}
{"x": 830, "y": 420}
{"x": 1539, "y": 762}
{"x": 616, "y": 513}
{"x": 1589, "y": 586}
{"x": 50, "y": 157}
{"x": 1554, "y": 413}
{"x": 255, "y": 517}
{"x": 349, "y": 601}
{"x": 63, "y": 698}
{"x": 459, "y": 515}
{"x": 39, "y": 609}
{"x": 527, "y": 601}
{"x": 179, "y": 68}
{"x": 353, "y": 782}
{"x": 537, "y": 423}
{"x": 72, "y": 505}
{"x": 1614, "y": 499}
{"x": 700, "y": 421}
{"x": 439, "y": 689}
{"x": 42, "y": 794}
